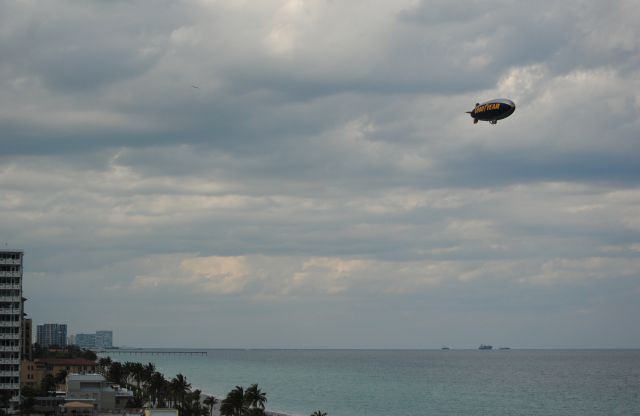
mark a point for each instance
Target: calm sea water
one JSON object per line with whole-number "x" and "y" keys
{"x": 413, "y": 383}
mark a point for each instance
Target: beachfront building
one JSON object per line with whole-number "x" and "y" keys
{"x": 11, "y": 312}
{"x": 77, "y": 409}
{"x": 85, "y": 341}
{"x": 47, "y": 405}
{"x": 104, "y": 339}
{"x": 95, "y": 390}
{"x": 52, "y": 335}
{"x": 28, "y": 373}
{"x": 101, "y": 339}
{"x": 32, "y": 372}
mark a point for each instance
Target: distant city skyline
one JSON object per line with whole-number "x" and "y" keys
{"x": 323, "y": 186}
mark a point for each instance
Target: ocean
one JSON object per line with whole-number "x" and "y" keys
{"x": 418, "y": 382}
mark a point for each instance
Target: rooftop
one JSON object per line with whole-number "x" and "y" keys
{"x": 65, "y": 361}
{"x": 87, "y": 377}
{"x": 78, "y": 405}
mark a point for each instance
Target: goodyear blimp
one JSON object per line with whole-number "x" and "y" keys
{"x": 492, "y": 110}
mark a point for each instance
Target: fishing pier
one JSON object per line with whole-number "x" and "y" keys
{"x": 142, "y": 351}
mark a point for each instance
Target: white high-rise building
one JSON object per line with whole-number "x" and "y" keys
{"x": 104, "y": 339}
{"x": 11, "y": 313}
{"x": 101, "y": 339}
{"x": 85, "y": 340}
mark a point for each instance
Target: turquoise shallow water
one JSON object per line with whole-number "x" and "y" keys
{"x": 412, "y": 383}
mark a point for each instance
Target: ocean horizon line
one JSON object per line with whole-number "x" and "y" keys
{"x": 444, "y": 348}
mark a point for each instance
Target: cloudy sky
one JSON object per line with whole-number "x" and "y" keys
{"x": 302, "y": 173}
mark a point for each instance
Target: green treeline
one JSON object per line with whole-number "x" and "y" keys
{"x": 151, "y": 388}
{"x": 69, "y": 351}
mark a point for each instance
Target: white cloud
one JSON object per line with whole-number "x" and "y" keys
{"x": 324, "y": 153}
{"x": 329, "y": 275}
{"x": 203, "y": 275}
{"x": 217, "y": 274}
{"x": 563, "y": 271}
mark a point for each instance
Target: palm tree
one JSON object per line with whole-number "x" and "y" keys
{"x": 211, "y": 401}
{"x": 148, "y": 371}
{"x": 28, "y": 394}
{"x": 129, "y": 370}
{"x": 157, "y": 388}
{"x": 164, "y": 393}
{"x": 61, "y": 377}
{"x": 180, "y": 386}
{"x": 48, "y": 384}
{"x": 318, "y": 413}
{"x": 137, "y": 371}
{"x": 146, "y": 375}
{"x": 192, "y": 406}
{"x": 103, "y": 365}
{"x": 241, "y": 402}
{"x": 254, "y": 397}
{"x": 234, "y": 404}
{"x": 117, "y": 373}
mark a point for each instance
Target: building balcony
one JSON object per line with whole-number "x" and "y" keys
{"x": 16, "y": 286}
{"x": 9, "y": 373}
{"x": 10, "y": 336}
{"x": 10, "y": 261}
{"x": 17, "y": 298}
{"x": 4, "y": 273}
{"x": 9, "y": 311}
{"x": 9, "y": 360}
{"x": 9, "y": 324}
{"x": 9, "y": 348}
{"x": 9, "y": 386}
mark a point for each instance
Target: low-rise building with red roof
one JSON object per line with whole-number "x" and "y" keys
{"x": 32, "y": 372}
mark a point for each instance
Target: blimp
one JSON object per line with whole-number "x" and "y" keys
{"x": 492, "y": 110}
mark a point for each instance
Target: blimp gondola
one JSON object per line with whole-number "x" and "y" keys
{"x": 492, "y": 110}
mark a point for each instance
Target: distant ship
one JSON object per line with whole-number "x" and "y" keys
{"x": 485, "y": 347}
{"x": 445, "y": 348}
